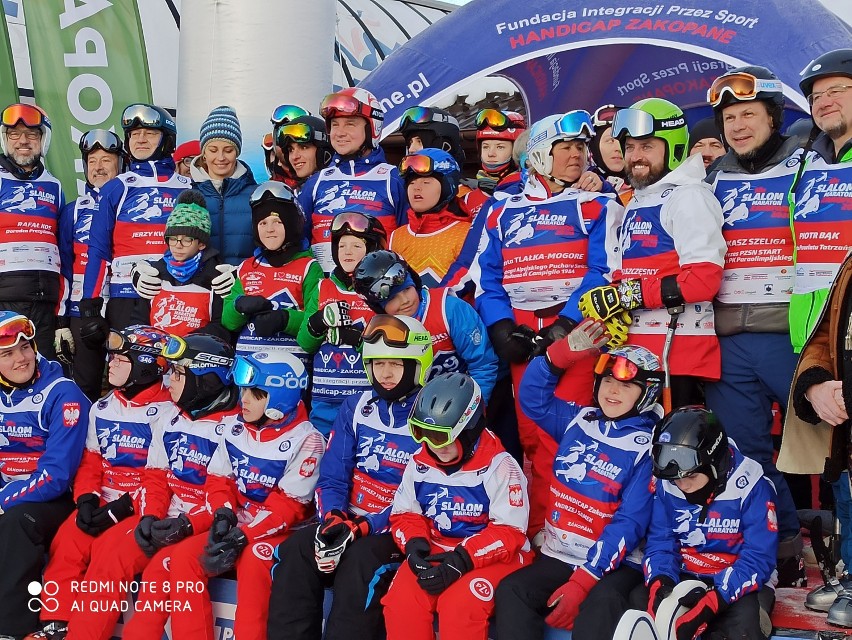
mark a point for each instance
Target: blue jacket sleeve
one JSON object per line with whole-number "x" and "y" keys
{"x": 100, "y": 238}
{"x": 458, "y": 276}
{"x": 539, "y": 402}
{"x": 662, "y": 550}
{"x": 492, "y": 301}
{"x": 65, "y": 240}
{"x": 336, "y": 467}
{"x": 306, "y": 202}
{"x": 470, "y": 338}
{"x": 629, "y": 524}
{"x": 400, "y": 198}
{"x": 66, "y": 414}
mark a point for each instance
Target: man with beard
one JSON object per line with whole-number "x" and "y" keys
{"x": 670, "y": 248}
{"x": 751, "y": 182}
{"x": 30, "y": 202}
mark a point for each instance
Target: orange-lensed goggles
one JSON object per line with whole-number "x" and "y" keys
{"x": 420, "y": 164}
{"x": 494, "y": 119}
{"x": 357, "y": 222}
{"x": 742, "y": 86}
{"x": 335, "y": 105}
{"x": 268, "y": 142}
{"x": 604, "y": 115}
{"x": 298, "y": 132}
{"x": 394, "y": 331}
{"x": 618, "y": 366}
{"x": 30, "y": 115}
{"x": 14, "y": 330}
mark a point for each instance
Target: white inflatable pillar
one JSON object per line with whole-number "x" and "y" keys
{"x": 252, "y": 55}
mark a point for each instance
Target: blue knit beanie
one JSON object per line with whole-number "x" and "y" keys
{"x": 221, "y": 124}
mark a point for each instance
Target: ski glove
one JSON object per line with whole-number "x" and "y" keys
{"x": 704, "y": 607}
{"x": 95, "y": 330}
{"x": 112, "y": 513}
{"x": 268, "y": 323}
{"x": 557, "y": 330}
{"x": 222, "y": 556}
{"x": 223, "y": 521}
{"x": 512, "y": 342}
{"x": 451, "y": 566}
{"x": 332, "y": 315}
{"x": 416, "y": 551}
{"x": 146, "y": 280}
{"x": 63, "y": 345}
{"x": 86, "y": 505}
{"x": 224, "y": 282}
{"x": 336, "y": 532}
{"x": 630, "y": 294}
{"x": 660, "y": 588}
{"x": 566, "y": 599}
{"x": 587, "y": 338}
{"x": 252, "y": 305}
{"x": 142, "y": 534}
{"x": 170, "y": 530}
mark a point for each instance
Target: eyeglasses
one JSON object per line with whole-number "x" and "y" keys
{"x": 604, "y": 115}
{"x": 423, "y": 165}
{"x": 187, "y": 161}
{"x": 283, "y": 113}
{"x": 177, "y": 372}
{"x": 141, "y": 115}
{"x": 831, "y": 93}
{"x": 576, "y": 124}
{"x": 672, "y": 461}
{"x": 435, "y": 435}
{"x": 14, "y": 330}
{"x": 742, "y": 86}
{"x": 335, "y": 104}
{"x": 174, "y": 241}
{"x": 29, "y": 114}
{"x": 271, "y": 189}
{"x": 100, "y": 139}
{"x": 29, "y": 134}
{"x": 640, "y": 124}
{"x": 351, "y": 221}
{"x": 619, "y": 367}
{"x": 394, "y": 331}
{"x": 424, "y": 115}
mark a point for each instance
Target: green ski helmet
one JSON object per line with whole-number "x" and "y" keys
{"x": 657, "y": 118}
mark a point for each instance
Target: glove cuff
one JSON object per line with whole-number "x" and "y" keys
{"x": 361, "y": 526}
{"x": 584, "y": 579}
{"x": 630, "y": 294}
{"x": 465, "y": 556}
{"x": 91, "y": 307}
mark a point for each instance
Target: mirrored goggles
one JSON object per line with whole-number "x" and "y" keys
{"x": 433, "y": 434}
{"x": 30, "y": 115}
{"x": 576, "y": 124}
{"x": 640, "y": 124}
{"x": 244, "y": 373}
{"x": 742, "y": 86}
{"x": 335, "y": 104}
{"x": 493, "y": 119}
{"x": 354, "y": 221}
{"x": 116, "y": 343}
{"x": 394, "y": 331}
{"x": 619, "y": 367}
{"x": 604, "y": 115}
{"x": 297, "y": 132}
{"x": 272, "y": 189}
{"x": 283, "y": 113}
{"x": 174, "y": 348}
{"x": 14, "y": 330}
{"x": 672, "y": 461}
{"x": 422, "y": 165}
{"x": 100, "y": 139}
{"x": 268, "y": 142}
{"x": 424, "y": 115}
{"x": 383, "y": 287}
{"x": 143, "y": 115}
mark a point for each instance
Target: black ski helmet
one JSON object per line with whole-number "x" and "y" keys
{"x": 436, "y": 128}
{"x": 207, "y": 359}
{"x": 353, "y": 222}
{"x": 276, "y": 198}
{"x": 381, "y": 275}
{"x": 774, "y": 100}
{"x": 833, "y": 63}
{"x": 306, "y": 129}
{"x": 690, "y": 440}
{"x": 143, "y": 346}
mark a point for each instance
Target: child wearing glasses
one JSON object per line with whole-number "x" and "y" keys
{"x": 599, "y": 499}
{"x": 274, "y": 455}
{"x": 266, "y": 304}
{"x": 334, "y": 317}
{"x": 180, "y": 284}
{"x": 459, "y": 515}
{"x": 368, "y": 450}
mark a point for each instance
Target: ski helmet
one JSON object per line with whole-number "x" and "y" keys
{"x": 434, "y": 163}
{"x": 492, "y": 124}
{"x": 206, "y": 360}
{"x": 143, "y": 346}
{"x": 276, "y": 198}
{"x": 574, "y": 125}
{"x": 101, "y": 139}
{"x": 744, "y": 84}
{"x": 690, "y": 440}
{"x": 449, "y": 407}
{"x": 148, "y": 116}
{"x": 32, "y": 117}
{"x": 354, "y": 101}
{"x": 380, "y": 276}
{"x": 655, "y": 118}
{"x": 398, "y": 337}
{"x": 833, "y": 63}
{"x": 630, "y": 363}
{"x": 280, "y": 374}
{"x": 436, "y": 128}
{"x": 305, "y": 129}
{"x": 360, "y": 225}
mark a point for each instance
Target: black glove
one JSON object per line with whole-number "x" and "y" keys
{"x": 170, "y": 530}
{"x": 268, "y": 323}
{"x": 337, "y": 524}
{"x": 94, "y": 329}
{"x": 453, "y": 565}
{"x": 349, "y": 335}
{"x": 112, "y": 513}
{"x": 660, "y": 588}
{"x": 704, "y": 606}
{"x": 252, "y": 305}
{"x": 86, "y": 505}
{"x": 557, "y": 330}
{"x": 512, "y": 342}
{"x": 223, "y": 521}
{"x": 416, "y": 551}
{"x": 222, "y": 556}
{"x": 142, "y": 534}
{"x": 316, "y": 325}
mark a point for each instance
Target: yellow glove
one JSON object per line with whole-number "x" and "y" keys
{"x": 617, "y": 327}
{"x": 600, "y": 303}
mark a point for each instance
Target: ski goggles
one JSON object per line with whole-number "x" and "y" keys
{"x": 640, "y": 124}
{"x": 672, "y": 461}
{"x": 272, "y": 189}
{"x": 352, "y": 221}
{"x": 174, "y": 348}
{"x": 283, "y": 113}
{"x": 388, "y": 285}
{"x": 29, "y": 114}
{"x": 433, "y": 434}
{"x": 394, "y": 331}
{"x": 268, "y": 142}
{"x": 494, "y": 119}
{"x": 15, "y": 329}
{"x": 148, "y": 340}
{"x": 424, "y": 115}
{"x": 245, "y": 373}
{"x": 100, "y": 139}
{"x": 141, "y": 115}
{"x": 576, "y": 124}
{"x": 604, "y": 115}
{"x": 298, "y": 132}
{"x": 423, "y": 165}
{"x": 335, "y": 104}
{"x": 619, "y": 367}
{"x": 742, "y": 86}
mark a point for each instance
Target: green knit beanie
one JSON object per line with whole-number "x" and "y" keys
{"x": 190, "y": 220}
